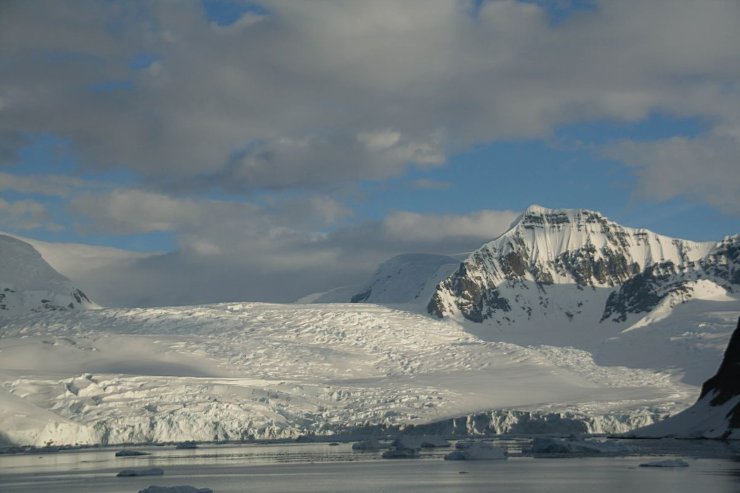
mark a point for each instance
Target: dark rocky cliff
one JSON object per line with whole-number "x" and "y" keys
{"x": 726, "y": 383}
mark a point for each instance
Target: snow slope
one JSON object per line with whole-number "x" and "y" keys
{"x": 28, "y": 283}
{"x": 91, "y": 268}
{"x": 236, "y": 371}
{"x": 408, "y": 279}
{"x": 717, "y": 412}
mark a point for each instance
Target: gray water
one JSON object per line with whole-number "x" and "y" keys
{"x": 323, "y": 468}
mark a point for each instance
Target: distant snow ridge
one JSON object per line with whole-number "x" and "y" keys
{"x": 569, "y": 262}
{"x": 29, "y": 284}
{"x": 406, "y": 278}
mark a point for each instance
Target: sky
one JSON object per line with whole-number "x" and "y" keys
{"x": 266, "y": 150}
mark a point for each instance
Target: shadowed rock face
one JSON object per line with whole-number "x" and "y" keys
{"x": 726, "y": 383}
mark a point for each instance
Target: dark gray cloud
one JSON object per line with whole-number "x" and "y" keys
{"x": 320, "y": 92}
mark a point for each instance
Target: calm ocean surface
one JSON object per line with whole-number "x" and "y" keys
{"x": 323, "y": 468}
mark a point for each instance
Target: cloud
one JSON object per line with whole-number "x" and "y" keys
{"x": 478, "y": 226}
{"x": 314, "y": 94}
{"x": 309, "y": 98}
{"x": 128, "y": 211}
{"x": 703, "y": 168}
{"x": 50, "y": 185}
{"x": 279, "y": 251}
{"x": 24, "y": 215}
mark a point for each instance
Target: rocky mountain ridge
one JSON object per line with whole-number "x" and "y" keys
{"x": 574, "y": 261}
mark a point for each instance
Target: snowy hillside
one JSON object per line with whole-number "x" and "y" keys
{"x": 404, "y": 279}
{"x": 29, "y": 284}
{"x": 235, "y": 371}
{"x": 579, "y": 267}
{"x": 717, "y": 412}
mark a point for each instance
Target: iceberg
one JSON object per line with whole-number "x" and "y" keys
{"x": 130, "y": 453}
{"x": 477, "y": 451}
{"x": 401, "y": 453}
{"x": 561, "y": 447}
{"x": 369, "y": 444}
{"x": 130, "y": 473}
{"x": 666, "y": 463}
{"x": 175, "y": 489}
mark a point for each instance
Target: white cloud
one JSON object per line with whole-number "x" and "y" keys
{"x": 51, "y": 185}
{"x": 419, "y": 228}
{"x": 705, "y": 168}
{"x": 24, "y": 215}
{"x": 127, "y": 211}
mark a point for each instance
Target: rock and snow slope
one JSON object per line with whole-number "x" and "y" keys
{"x": 29, "y": 284}
{"x": 717, "y": 412}
{"x": 575, "y": 264}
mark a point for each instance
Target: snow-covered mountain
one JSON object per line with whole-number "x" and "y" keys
{"x": 29, "y": 284}
{"x": 717, "y": 412}
{"x": 577, "y": 265}
{"x": 403, "y": 279}
{"x": 406, "y": 279}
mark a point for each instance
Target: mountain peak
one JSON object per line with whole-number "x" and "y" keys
{"x": 564, "y": 247}
{"x": 538, "y": 215}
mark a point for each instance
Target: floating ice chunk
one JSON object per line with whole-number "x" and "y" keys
{"x": 369, "y": 444}
{"x": 130, "y": 473}
{"x": 401, "y": 453}
{"x": 433, "y": 441}
{"x": 175, "y": 489}
{"x": 189, "y": 444}
{"x": 420, "y": 441}
{"x": 666, "y": 463}
{"x": 130, "y": 453}
{"x": 559, "y": 447}
{"x": 478, "y": 451}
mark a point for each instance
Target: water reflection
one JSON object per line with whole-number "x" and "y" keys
{"x": 308, "y": 467}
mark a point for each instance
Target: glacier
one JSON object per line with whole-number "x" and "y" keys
{"x": 545, "y": 330}
{"x": 241, "y": 371}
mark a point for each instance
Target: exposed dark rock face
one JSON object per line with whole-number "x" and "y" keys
{"x": 580, "y": 250}
{"x": 724, "y": 261}
{"x": 643, "y": 292}
{"x": 725, "y": 384}
{"x": 360, "y": 297}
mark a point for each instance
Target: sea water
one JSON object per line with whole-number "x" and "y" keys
{"x": 321, "y": 467}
